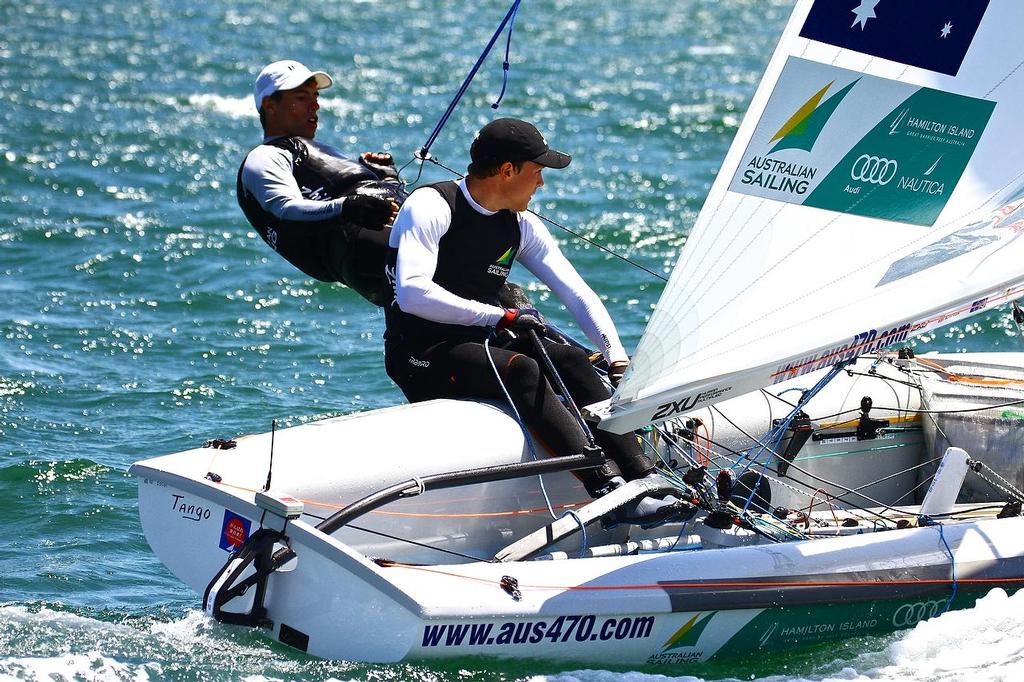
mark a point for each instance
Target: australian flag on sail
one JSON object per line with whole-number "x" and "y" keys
{"x": 933, "y": 35}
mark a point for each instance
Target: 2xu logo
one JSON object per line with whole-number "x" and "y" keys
{"x": 877, "y": 170}
{"x": 680, "y": 406}
{"x": 912, "y": 614}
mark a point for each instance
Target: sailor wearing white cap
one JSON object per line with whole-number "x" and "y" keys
{"x": 327, "y": 214}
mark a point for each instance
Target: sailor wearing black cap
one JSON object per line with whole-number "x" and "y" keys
{"x": 452, "y": 247}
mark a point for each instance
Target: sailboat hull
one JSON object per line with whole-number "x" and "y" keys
{"x": 669, "y": 607}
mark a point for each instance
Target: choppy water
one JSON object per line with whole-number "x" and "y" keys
{"x": 142, "y": 315}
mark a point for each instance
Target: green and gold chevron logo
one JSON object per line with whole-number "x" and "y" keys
{"x": 802, "y": 129}
{"x": 506, "y": 258}
{"x": 689, "y": 634}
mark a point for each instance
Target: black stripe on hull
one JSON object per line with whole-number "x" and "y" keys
{"x": 908, "y": 582}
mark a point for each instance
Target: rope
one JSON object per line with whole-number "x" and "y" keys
{"x": 424, "y": 152}
{"x": 583, "y": 531}
{"x": 1005, "y": 487}
{"x": 595, "y": 244}
{"x": 505, "y": 63}
{"x": 519, "y": 420}
{"x": 952, "y": 570}
{"x": 775, "y": 435}
{"x": 418, "y": 544}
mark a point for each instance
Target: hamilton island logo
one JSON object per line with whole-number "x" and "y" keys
{"x": 503, "y": 265}
{"x": 800, "y": 131}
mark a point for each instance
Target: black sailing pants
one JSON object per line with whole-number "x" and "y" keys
{"x": 461, "y": 369}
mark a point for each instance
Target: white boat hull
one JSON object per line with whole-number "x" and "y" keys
{"x": 665, "y": 607}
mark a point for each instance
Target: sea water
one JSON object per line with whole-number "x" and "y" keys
{"x": 143, "y": 316}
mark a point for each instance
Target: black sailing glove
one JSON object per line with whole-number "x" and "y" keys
{"x": 367, "y": 211}
{"x": 520, "y": 321}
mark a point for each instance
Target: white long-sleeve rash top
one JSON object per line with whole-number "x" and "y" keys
{"x": 425, "y": 217}
{"x": 267, "y": 175}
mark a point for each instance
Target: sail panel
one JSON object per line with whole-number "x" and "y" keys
{"x": 863, "y": 200}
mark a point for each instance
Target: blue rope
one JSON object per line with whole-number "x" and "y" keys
{"x": 424, "y": 151}
{"x": 777, "y": 432}
{"x": 505, "y": 64}
{"x": 583, "y": 531}
{"x": 952, "y": 569}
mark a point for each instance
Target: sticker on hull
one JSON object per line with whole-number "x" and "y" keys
{"x": 234, "y": 531}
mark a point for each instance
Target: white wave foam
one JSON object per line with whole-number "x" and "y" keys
{"x": 91, "y": 666}
{"x": 982, "y": 644}
{"x": 44, "y": 644}
{"x": 242, "y": 107}
{"x": 235, "y": 107}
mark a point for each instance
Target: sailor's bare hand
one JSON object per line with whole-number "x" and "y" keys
{"x": 394, "y": 212}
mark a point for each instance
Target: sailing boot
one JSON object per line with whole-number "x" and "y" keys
{"x": 648, "y": 511}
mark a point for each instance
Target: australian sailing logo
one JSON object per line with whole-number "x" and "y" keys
{"x": 800, "y": 131}
{"x": 503, "y": 265}
{"x": 681, "y": 647}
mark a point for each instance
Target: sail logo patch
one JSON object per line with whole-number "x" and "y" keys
{"x": 503, "y": 265}
{"x": 933, "y": 35}
{"x": 1005, "y": 223}
{"x": 877, "y": 147}
{"x": 802, "y": 129}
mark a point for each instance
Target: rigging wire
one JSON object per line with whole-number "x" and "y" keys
{"x": 725, "y": 451}
{"x": 522, "y": 425}
{"x": 423, "y": 154}
{"x": 549, "y": 221}
{"x": 925, "y": 411}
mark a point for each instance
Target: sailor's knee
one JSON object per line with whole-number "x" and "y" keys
{"x": 522, "y": 370}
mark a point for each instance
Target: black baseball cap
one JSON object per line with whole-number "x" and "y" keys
{"x": 509, "y": 139}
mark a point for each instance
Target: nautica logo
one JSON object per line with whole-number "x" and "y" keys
{"x": 803, "y": 127}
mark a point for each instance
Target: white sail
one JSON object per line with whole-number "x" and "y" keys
{"x": 875, "y": 190}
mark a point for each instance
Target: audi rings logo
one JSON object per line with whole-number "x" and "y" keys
{"x": 877, "y": 170}
{"x": 912, "y": 614}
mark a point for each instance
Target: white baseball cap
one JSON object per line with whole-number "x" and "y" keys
{"x": 286, "y": 74}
